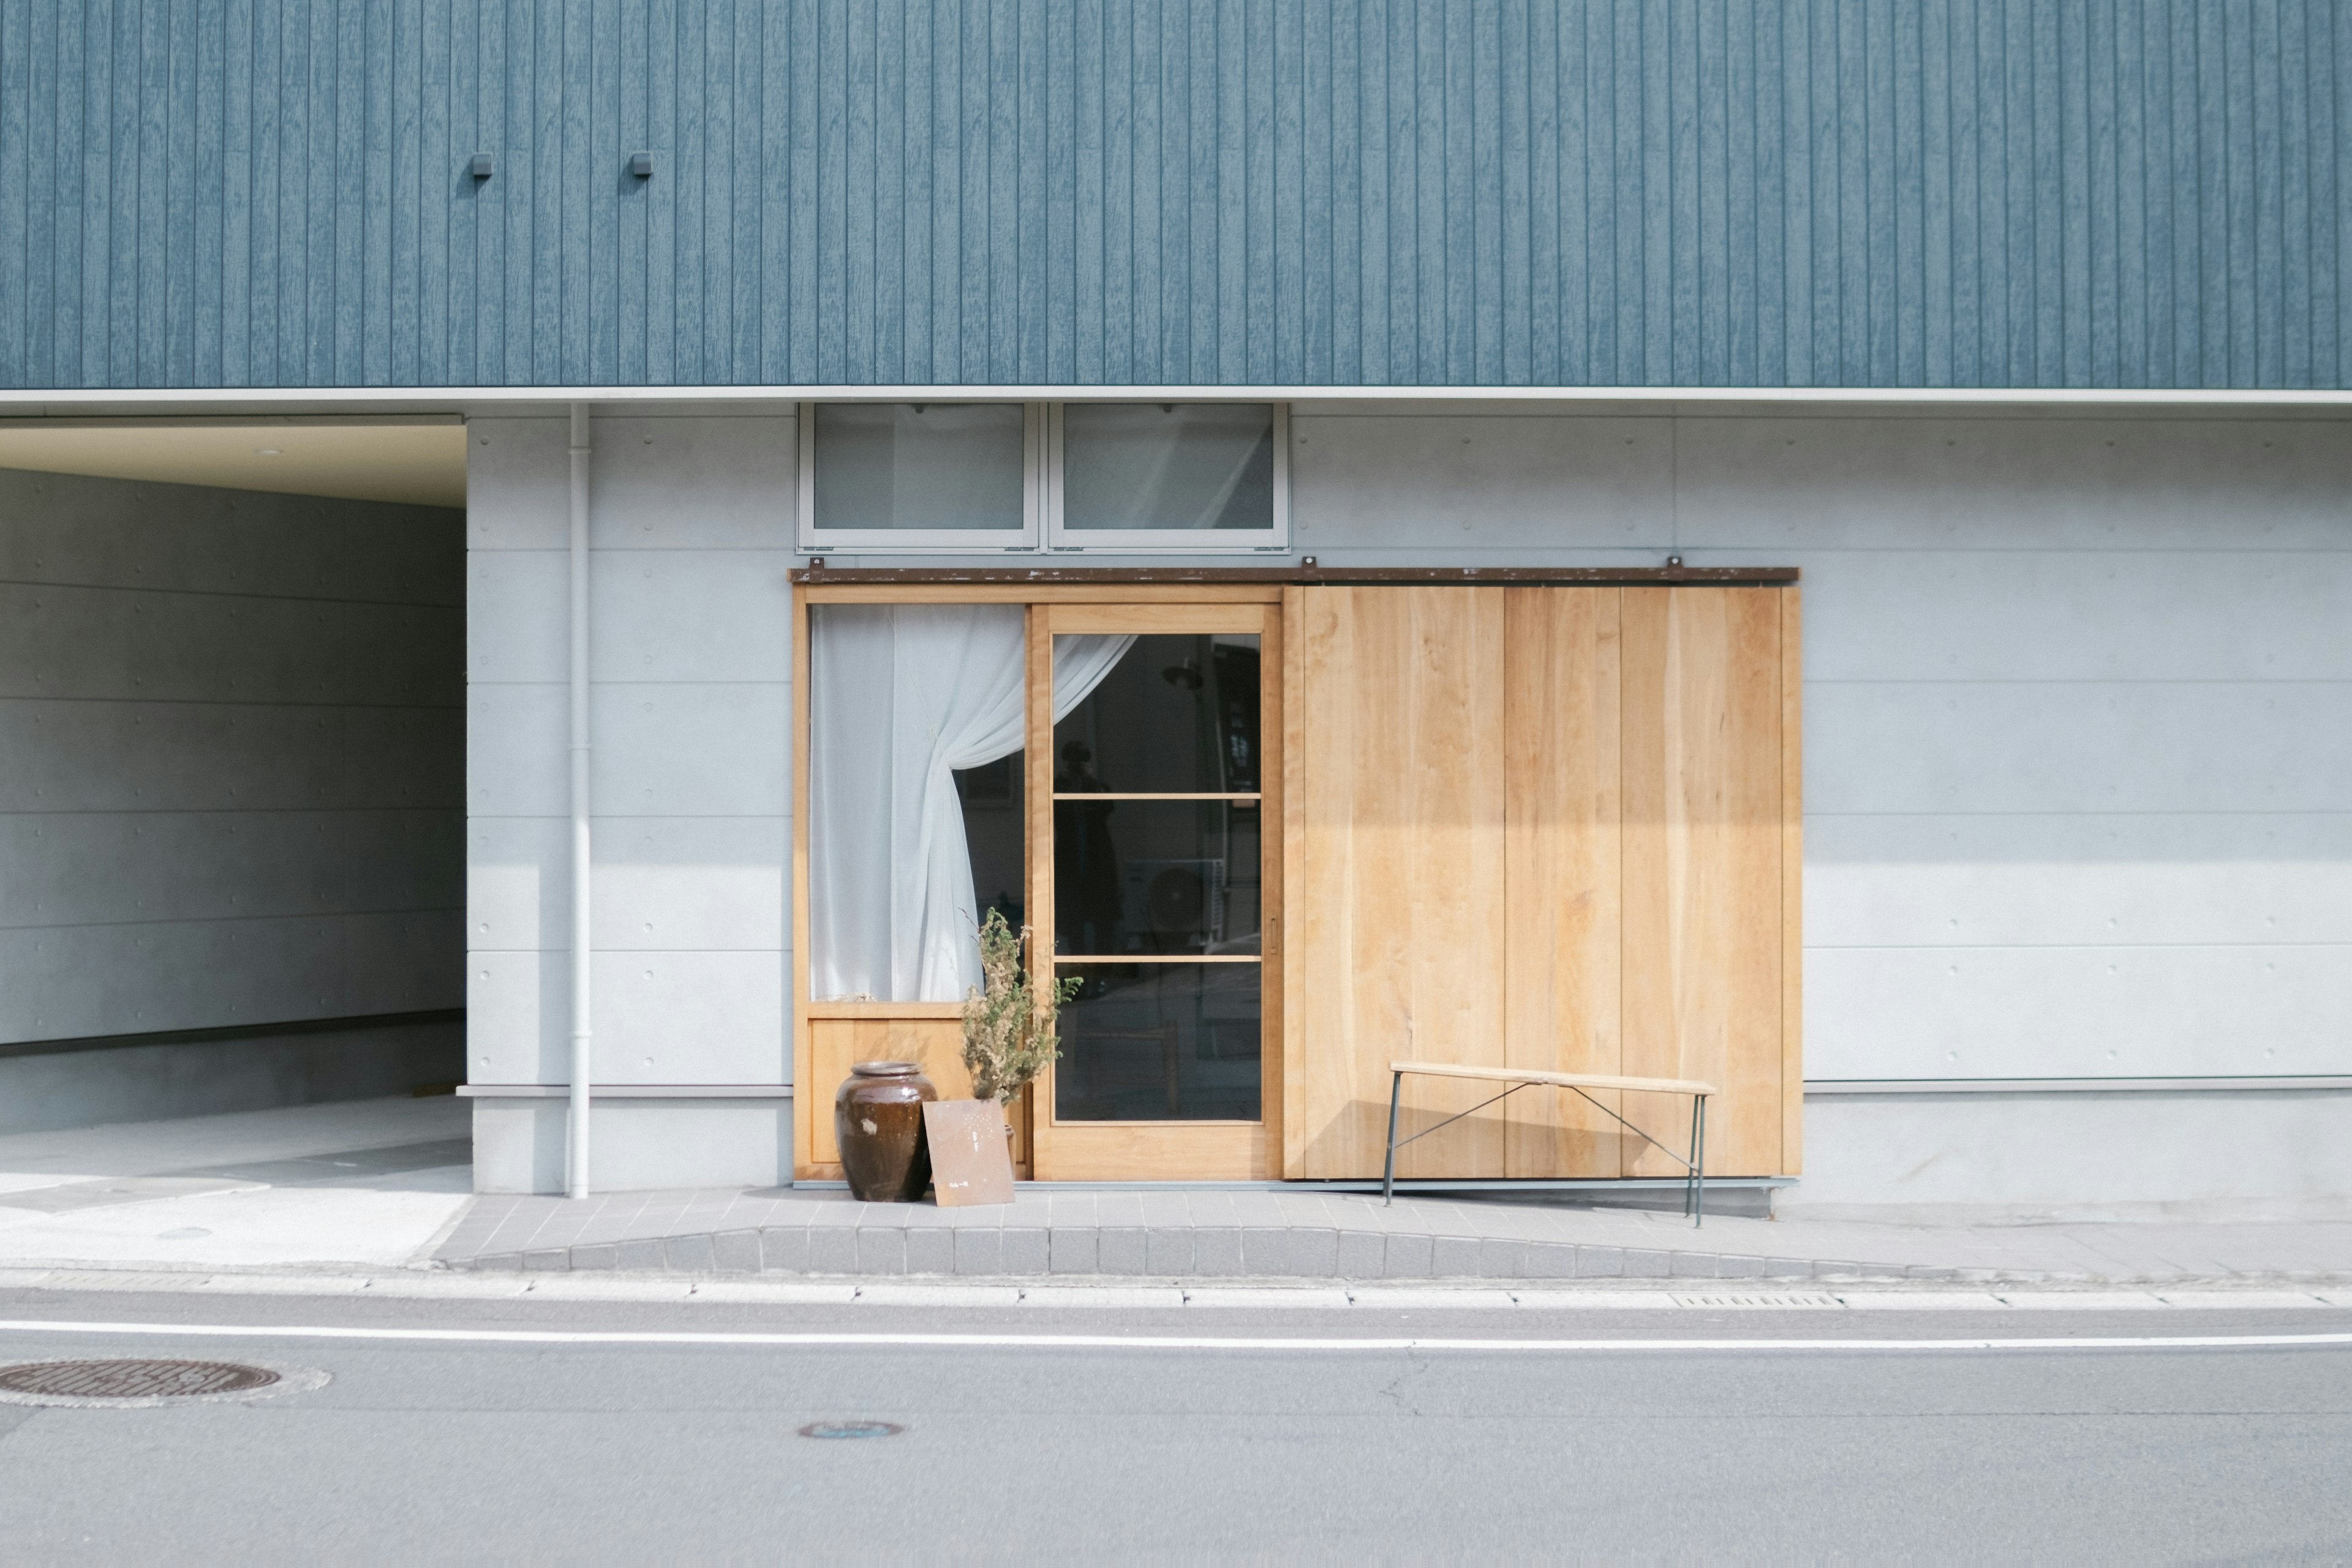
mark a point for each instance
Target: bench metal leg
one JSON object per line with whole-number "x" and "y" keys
{"x": 1690, "y": 1165}
{"x": 1388, "y": 1171}
{"x": 1696, "y": 1203}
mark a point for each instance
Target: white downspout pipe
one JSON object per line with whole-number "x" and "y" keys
{"x": 576, "y": 1142}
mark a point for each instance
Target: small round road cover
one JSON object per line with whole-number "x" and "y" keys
{"x": 850, "y": 1429}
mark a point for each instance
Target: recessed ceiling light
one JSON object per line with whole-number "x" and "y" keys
{"x": 266, "y": 452}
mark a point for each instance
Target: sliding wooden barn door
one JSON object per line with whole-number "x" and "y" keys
{"x": 1393, "y": 872}
{"x": 1550, "y": 827}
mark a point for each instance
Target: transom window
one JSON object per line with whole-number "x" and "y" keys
{"x": 878, "y": 478}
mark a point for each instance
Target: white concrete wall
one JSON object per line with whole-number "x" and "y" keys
{"x": 2078, "y": 730}
{"x": 691, "y": 532}
{"x": 670, "y": 1140}
{"x": 229, "y": 758}
{"x": 2208, "y": 1153}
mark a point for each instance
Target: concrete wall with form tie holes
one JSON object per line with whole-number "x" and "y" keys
{"x": 691, "y": 531}
{"x": 230, "y": 821}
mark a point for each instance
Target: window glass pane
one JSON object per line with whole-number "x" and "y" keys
{"x": 1159, "y": 1042}
{"x": 906, "y": 857}
{"x": 993, "y": 821}
{"x": 908, "y": 465}
{"x": 1182, "y": 466}
{"x": 1177, "y": 715}
{"x": 1155, "y": 877}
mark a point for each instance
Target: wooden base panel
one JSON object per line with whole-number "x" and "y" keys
{"x": 934, "y": 1041}
{"x": 1148, "y": 1151}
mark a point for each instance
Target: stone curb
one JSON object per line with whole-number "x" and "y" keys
{"x": 1177, "y": 1252}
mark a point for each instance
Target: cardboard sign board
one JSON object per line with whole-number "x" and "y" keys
{"x": 971, "y": 1160}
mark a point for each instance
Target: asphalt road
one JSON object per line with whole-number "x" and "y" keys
{"x": 1743, "y": 1447}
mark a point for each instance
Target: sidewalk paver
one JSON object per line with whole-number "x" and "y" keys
{"x": 363, "y": 1184}
{"x": 1308, "y": 1234}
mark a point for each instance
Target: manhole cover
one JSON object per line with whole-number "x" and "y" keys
{"x": 120, "y": 1381}
{"x": 851, "y": 1429}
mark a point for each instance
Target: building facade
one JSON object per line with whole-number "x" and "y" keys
{"x": 2003, "y": 339}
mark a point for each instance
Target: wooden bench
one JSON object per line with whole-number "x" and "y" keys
{"x": 1579, "y": 1083}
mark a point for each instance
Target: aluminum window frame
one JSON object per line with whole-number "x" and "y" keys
{"x": 1062, "y": 539}
{"x": 1042, "y": 528}
{"x": 815, "y": 540}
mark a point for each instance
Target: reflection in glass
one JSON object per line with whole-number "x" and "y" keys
{"x": 909, "y": 466}
{"x": 1182, "y": 466}
{"x": 993, "y": 831}
{"x": 1178, "y": 716}
{"x": 1159, "y": 1042}
{"x": 1155, "y": 877}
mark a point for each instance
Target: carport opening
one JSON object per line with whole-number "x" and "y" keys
{"x": 232, "y": 818}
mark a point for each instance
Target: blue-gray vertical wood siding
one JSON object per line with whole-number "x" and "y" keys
{"x": 1766, "y": 192}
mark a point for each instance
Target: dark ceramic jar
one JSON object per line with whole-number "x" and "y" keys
{"x": 877, "y": 1121}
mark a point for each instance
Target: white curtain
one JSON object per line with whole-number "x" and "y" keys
{"x": 901, "y": 698}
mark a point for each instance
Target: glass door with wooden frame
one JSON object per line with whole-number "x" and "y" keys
{"x": 1154, "y": 845}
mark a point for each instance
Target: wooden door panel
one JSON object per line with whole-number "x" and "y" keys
{"x": 1085, "y": 1149}
{"x": 1396, "y": 913}
{"x": 1703, "y": 868}
{"x": 1562, "y": 826}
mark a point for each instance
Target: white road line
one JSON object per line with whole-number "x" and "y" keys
{"x": 1140, "y": 1342}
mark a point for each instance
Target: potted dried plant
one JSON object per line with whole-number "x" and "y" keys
{"x": 1010, "y": 1023}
